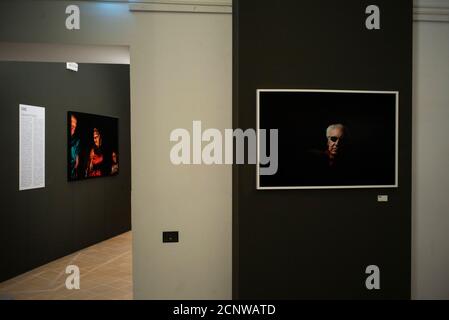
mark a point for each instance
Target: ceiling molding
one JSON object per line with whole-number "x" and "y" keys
{"x": 191, "y": 2}
{"x": 423, "y": 10}
{"x": 182, "y": 6}
{"x": 431, "y": 10}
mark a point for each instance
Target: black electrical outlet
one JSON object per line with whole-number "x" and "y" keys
{"x": 170, "y": 236}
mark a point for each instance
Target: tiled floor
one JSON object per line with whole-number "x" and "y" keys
{"x": 105, "y": 274}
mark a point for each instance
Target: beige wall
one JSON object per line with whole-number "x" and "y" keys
{"x": 430, "y": 254}
{"x": 52, "y": 52}
{"x": 180, "y": 71}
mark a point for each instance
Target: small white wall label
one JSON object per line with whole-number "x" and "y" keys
{"x": 382, "y": 198}
{"x": 72, "y": 66}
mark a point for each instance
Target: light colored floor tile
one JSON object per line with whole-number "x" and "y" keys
{"x": 106, "y": 274}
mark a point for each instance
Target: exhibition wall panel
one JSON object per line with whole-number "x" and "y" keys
{"x": 181, "y": 72}
{"x": 313, "y": 243}
{"x": 40, "y": 225}
{"x": 430, "y": 158}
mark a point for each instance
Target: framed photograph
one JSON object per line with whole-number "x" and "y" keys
{"x": 92, "y": 146}
{"x": 330, "y": 139}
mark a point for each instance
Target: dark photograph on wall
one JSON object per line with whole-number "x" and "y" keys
{"x": 92, "y": 146}
{"x": 331, "y": 139}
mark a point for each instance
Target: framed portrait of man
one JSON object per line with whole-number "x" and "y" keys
{"x": 330, "y": 139}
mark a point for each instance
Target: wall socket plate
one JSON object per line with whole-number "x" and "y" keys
{"x": 170, "y": 236}
{"x": 382, "y": 198}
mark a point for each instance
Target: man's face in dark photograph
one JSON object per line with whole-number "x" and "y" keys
{"x": 335, "y": 138}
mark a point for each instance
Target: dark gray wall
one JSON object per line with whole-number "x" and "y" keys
{"x": 292, "y": 244}
{"x": 38, "y": 226}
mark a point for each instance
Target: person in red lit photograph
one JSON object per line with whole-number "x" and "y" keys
{"x": 114, "y": 167}
{"x": 96, "y": 157}
{"x": 74, "y": 148}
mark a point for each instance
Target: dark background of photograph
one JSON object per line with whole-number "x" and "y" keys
{"x": 108, "y": 127}
{"x": 302, "y": 119}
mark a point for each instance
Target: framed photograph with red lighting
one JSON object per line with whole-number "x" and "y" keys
{"x": 92, "y": 146}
